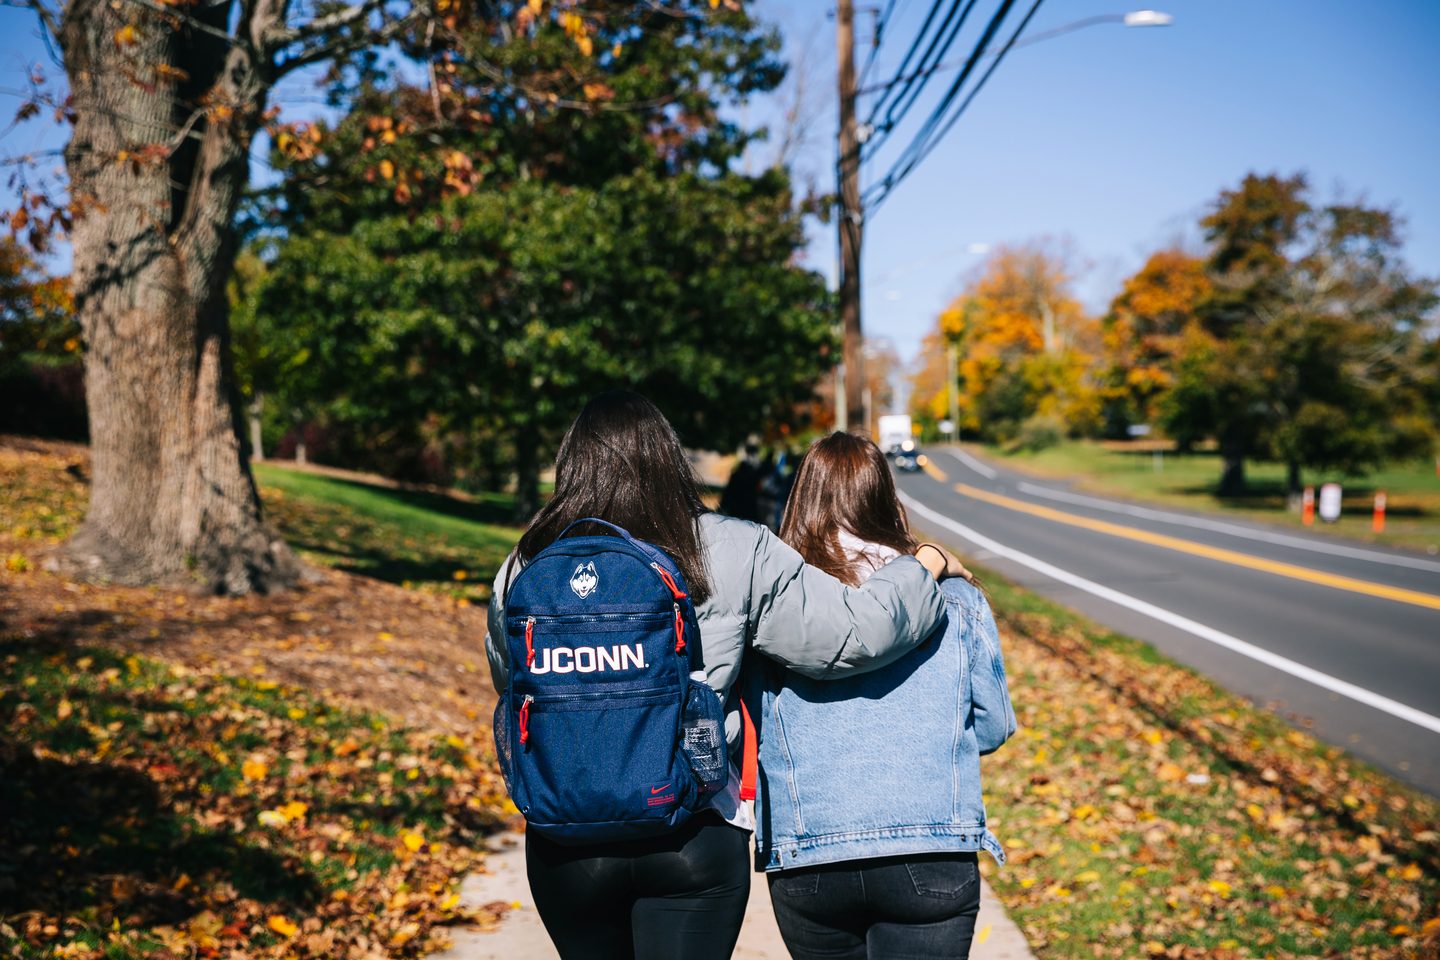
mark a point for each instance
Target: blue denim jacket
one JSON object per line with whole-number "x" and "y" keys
{"x": 888, "y": 763}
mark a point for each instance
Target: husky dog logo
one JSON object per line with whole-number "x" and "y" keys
{"x": 584, "y": 580}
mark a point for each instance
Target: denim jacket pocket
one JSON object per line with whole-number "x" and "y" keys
{"x": 946, "y": 879}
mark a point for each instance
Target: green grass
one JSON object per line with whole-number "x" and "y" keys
{"x": 1189, "y": 481}
{"x": 410, "y": 537}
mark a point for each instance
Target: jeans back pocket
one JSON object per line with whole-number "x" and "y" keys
{"x": 944, "y": 879}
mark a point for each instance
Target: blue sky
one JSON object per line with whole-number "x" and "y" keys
{"x": 1111, "y": 137}
{"x": 1118, "y": 137}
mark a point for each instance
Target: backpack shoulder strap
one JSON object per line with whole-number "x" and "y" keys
{"x": 604, "y": 523}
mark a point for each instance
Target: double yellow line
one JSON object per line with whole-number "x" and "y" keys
{"x": 1279, "y": 569}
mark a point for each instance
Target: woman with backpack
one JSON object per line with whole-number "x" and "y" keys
{"x": 679, "y": 893}
{"x": 869, "y": 807}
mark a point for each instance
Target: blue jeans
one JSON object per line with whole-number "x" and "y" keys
{"x": 895, "y": 908}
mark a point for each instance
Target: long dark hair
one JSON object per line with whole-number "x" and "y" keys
{"x": 621, "y": 461}
{"x": 844, "y": 482}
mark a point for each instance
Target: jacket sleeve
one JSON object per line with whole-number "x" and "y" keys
{"x": 496, "y": 649}
{"x": 989, "y": 691}
{"x": 822, "y": 628}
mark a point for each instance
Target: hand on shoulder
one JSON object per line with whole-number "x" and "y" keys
{"x": 941, "y": 562}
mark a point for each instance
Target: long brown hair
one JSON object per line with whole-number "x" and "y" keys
{"x": 621, "y": 461}
{"x": 843, "y": 483}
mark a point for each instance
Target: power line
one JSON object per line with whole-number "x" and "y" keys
{"x": 911, "y": 91}
{"x": 904, "y": 65}
{"x": 925, "y": 142}
{"x": 974, "y": 91}
{"x": 949, "y": 96}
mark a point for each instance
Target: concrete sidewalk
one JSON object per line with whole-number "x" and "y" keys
{"x": 521, "y": 936}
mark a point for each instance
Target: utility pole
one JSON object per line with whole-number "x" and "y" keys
{"x": 850, "y": 408}
{"x": 952, "y": 385}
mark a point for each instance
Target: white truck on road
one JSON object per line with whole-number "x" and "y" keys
{"x": 895, "y": 432}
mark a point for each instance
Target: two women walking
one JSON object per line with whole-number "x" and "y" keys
{"x": 851, "y": 648}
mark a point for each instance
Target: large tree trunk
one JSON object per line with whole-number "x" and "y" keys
{"x": 1232, "y": 474}
{"x": 159, "y": 179}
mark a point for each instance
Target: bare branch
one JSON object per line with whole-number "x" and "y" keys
{"x": 47, "y": 17}
{"x": 185, "y": 19}
{"x": 337, "y": 45}
{"x": 280, "y": 37}
{"x": 553, "y": 100}
{"x": 434, "y": 80}
{"x": 186, "y": 132}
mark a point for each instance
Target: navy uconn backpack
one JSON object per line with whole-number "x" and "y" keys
{"x": 607, "y": 729}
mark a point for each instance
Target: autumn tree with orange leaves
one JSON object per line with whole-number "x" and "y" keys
{"x": 1145, "y": 331}
{"x": 1025, "y": 346}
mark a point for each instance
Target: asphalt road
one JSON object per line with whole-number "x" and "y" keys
{"x": 1338, "y": 637}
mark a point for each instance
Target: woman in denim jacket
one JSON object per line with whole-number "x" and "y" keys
{"x": 869, "y": 810}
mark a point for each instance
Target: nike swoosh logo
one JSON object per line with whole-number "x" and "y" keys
{"x": 659, "y": 789}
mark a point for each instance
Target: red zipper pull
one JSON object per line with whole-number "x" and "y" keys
{"x": 675, "y": 590}
{"x": 529, "y": 643}
{"x": 525, "y": 718}
{"x": 679, "y": 631}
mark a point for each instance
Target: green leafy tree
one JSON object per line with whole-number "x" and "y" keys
{"x": 550, "y": 215}
{"x": 1312, "y": 346}
{"x": 493, "y": 320}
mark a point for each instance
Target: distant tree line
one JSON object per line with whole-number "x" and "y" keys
{"x": 1298, "y": 335}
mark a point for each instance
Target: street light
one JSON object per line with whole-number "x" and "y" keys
{"x": 1135, "y": 18}
{"x": 1148, "y": 18}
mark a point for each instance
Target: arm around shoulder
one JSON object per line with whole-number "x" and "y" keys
{"x": 823, "y": 628}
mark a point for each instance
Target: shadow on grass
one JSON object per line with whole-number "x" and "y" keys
{"x": 99, "y": 840}
{"x": 104, "y": 840}
{"x": 492, "y": 509}
{"x": 381, "y": 565}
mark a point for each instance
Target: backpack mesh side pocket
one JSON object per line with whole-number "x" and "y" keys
{"x": 500, "y": 726}
{"x": 702, "y": 732}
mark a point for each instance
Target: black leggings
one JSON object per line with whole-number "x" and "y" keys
{"x": 681, "y": 895}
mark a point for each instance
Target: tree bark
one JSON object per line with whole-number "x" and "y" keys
{"x": 1294, "y": 491}
{"x": 158, "y": 161}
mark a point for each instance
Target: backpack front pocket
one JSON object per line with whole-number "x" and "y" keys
{"x": 599, "y": 757}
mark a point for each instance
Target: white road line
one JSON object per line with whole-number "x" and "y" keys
{"x": 971, "y": 462}
{"x": 1284, "y": 664}
{"x": 1234, "y": 530}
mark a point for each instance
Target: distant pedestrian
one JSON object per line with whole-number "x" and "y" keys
{"x": 683, "y": 895}
{"x": 741, "y": 496}
{"x": 885, "y": 766}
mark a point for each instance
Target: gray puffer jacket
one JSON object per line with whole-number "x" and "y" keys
{"x": 763, "y": 595}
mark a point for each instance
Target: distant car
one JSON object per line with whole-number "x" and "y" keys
{"x": 907, "y": 457}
